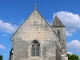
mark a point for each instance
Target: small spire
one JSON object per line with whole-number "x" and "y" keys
{"x": 35, "y": 6}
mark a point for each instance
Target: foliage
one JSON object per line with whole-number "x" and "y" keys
{"x": 1, "y": 57}
{"x": 73, "y": 57}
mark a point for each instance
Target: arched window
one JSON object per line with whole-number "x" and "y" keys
{"x": 35, "y": 48}
{"x": 58, "y": 32}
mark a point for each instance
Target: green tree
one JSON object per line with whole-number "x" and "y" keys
{"x": 73, "y": 57}
{"x": 1, "y": 57}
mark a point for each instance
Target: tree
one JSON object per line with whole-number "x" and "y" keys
{"x": 73, "y": 57}
{"x": 1, "y": 57}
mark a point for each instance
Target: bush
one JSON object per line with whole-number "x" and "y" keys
{"x": 73, "y": 57}
{"x": 1, "y": 57}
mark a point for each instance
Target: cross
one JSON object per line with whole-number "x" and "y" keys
{"x": 35, "y": 6}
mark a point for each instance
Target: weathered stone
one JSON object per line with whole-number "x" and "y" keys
{"x": 36, "y": 28}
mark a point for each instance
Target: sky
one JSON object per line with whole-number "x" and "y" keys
{"x": 14, "y": 12}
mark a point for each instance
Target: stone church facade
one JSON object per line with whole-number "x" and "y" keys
{"x": 35, "y": 39}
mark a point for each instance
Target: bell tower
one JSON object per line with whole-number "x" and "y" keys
{"x": 59, "y": 28}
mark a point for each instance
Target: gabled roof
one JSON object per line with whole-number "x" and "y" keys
{"x": 32, "y": 16}
{"x": 57, "y": 22}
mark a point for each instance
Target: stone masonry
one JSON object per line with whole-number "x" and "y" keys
{"x": 35, "y": 27}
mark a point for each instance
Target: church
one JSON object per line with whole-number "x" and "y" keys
{"x": 35, "y": 39}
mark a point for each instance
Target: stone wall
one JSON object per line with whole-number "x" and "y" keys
{"x": 34, "y": 28}
{"x": 62, "y": 36}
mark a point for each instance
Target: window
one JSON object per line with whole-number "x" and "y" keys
{"x": 58, "y": 33}
{"x": 35, "y": 48}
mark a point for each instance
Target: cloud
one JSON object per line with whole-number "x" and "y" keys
{"x": 2, "y": 47}
{"x": 7, "y": 27}
{"x": 4, "y": 35}
{"x": 70, "y": 20}
{"x": 68, "y": 33}
{"x": 69, "y": 53}
{"x": 74, "y": 45}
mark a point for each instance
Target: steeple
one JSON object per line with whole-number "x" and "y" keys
{"x": 57, "y": 22}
